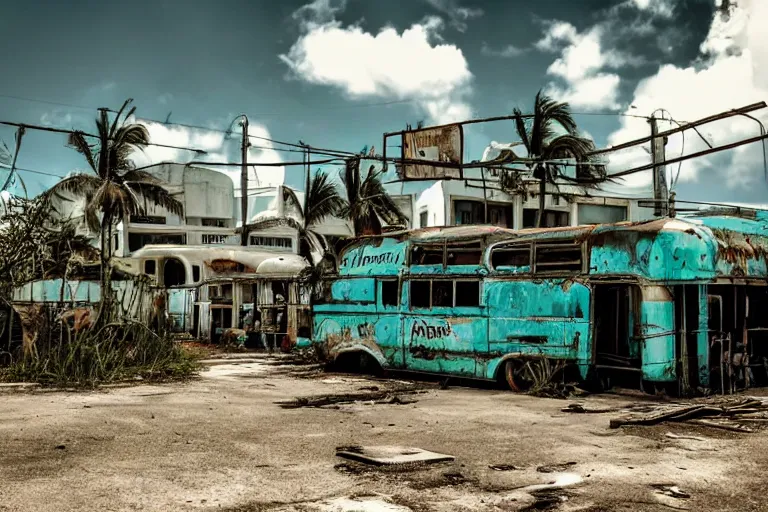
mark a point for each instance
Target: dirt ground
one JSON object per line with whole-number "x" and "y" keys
{"x": 221, "y": 443}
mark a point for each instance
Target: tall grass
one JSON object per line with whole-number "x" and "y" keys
{"x": 106, "y": 352}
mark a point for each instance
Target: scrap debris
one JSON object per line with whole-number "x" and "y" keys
{"x": 391, "y": 455}
{"x": 580, "y": 409}
{"x": 724, "y": 415}
{"x": 395, "y": 397}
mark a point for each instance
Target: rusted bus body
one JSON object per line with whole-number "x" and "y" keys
{"x": 663, "y": 300}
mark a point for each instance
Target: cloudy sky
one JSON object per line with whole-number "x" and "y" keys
{"x": 337, "y": 74}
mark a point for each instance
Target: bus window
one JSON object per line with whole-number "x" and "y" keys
{"x": 512, "y": 256}
{"x": 557, "y": 256}
{"x": 442, "y": 294}
{"x": 467, "y": 293}
{"x": 427, "y": 255}
{"x": 389, "y": 292}
{"x": 420, "y": 294}
{"x": 464, "y": 254}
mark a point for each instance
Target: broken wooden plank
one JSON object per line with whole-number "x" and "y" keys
{"x": 723, "y": 426}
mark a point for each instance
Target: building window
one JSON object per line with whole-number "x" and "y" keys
{"x": 196, "y": 273}
{"x": 147, "y": 219}
{"x": 150, "y": 267}
{"x": 138, "y": 240}
{"x": 389, "y": 292}
{"x": 552, "y": 218}
{"x": 601, "y": 214}
{"x": 474, "y": 212}
{"x": 214, "y": 223}
{"x": 423, "y": 219}
{"x": 211, "y": 239}
{"x": 272, "y": 242}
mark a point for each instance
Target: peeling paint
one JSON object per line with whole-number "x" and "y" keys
{"x": 546, "y": 314}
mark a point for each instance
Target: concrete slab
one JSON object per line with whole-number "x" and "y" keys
{"x": 391, "y": 455}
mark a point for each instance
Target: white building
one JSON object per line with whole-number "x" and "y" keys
{"x": 208, "y": 200}
{"x": 467, "y": 201}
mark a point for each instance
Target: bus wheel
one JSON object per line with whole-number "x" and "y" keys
{"x": 518, "y": 375}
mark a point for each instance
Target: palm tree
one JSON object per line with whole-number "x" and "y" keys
{"x": 115, "y": 189}
{"x": 539, "y": 135}
{"x": 321, "y": 200}
{"x": 367, "y": 202}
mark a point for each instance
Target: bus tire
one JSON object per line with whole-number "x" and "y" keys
{"x": 516, "y": 375}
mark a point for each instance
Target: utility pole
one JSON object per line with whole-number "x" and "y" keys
{"x": 307, "y": 158}
{"x": 660, "y": 192}
{"x": 244, "y": 183}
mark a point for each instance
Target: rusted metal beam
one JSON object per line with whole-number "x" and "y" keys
{"x": 683, "y": 127}
{"x": 460, "y": 123}
{"x": 687, "y": 157}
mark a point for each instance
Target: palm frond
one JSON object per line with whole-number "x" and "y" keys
{"x": 274, "y": 222}
{"x": 522, "y": 129}
{"x": 323, "y": 199}
{"x": 559, "y": 112}
{"x": 126, "y": 141}
{"x": 291, "y": 200}
{"x": 367, "y": 201}
{"x": 141, "y": 176}
{"x": 578, "y": 149}
{"x": 118, "y": 122}
{"x": 156, "y": 194}
{"x": 78, "y": 184}
{"x": 316, "y": 247}
{"x": 102, "y": 127}
{"x": 78, "y": 141}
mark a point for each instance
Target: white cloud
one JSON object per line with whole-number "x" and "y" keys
{"x": 57, "y": 118}
{"x": 412, "y": 65}
{"x": 661, "y": 8}
{"x": 457, "y": 14}
{"x": 581, "y": 66}
{"x": 507, "y": 52}
{"x": 593, "y": 92}
{"x": 733, "y": 72}
{"x": 218, "y": 149}
{"x": 557, "y": 33}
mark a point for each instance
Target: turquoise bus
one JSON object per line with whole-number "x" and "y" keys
{"x": 668, "y": 302}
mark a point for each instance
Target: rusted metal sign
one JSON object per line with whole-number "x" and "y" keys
{"x": 441, "y": 144}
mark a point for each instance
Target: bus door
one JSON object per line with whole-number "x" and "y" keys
{"x": 444, "y": 328}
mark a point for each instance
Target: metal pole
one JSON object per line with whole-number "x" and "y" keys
{"x": 660, "y": 194}
{"x": 485, "y": 197}
{"x": 244, "y": 184}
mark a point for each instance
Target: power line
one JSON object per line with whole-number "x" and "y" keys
{"x": 331, "y": 107}
{"x": 90, "y": 135}
{"x": 616, "y": 114}
{"x": 331, "y": 152}
{"x": 33, "y": 171}
{"x": 47, "y": 102}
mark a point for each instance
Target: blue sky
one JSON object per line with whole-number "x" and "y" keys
{"x": 338, "y": 74}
